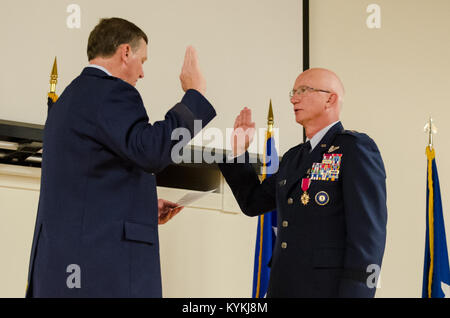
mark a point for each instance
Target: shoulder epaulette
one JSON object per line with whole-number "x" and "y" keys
{"x": 353, "y": 133}
{"x": 363, "y": 137}
{"x": 350, "y": 132}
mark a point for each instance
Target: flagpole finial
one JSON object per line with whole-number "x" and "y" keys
{"x": 53, "y": 82}
{"x": 270, "y": 117}
{"x": 431, "y": 130}
{"x": 54, "y": 77}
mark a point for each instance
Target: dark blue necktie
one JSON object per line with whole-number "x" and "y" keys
{"x": 304, "y": 152}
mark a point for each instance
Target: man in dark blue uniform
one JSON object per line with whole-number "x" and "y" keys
{"x": 96, "y": 231}
{"x": 330, "y": 194}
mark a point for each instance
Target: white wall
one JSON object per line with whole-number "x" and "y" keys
{"x": 250, "y": 51}
{"x": 395, "y": 78}
{"x": 19, "y": 195}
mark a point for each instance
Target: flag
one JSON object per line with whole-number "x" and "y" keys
{"x": 436, "y": 273}
{"x": 267, "y": 225}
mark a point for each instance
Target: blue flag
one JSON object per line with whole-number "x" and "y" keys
{"x": 266, "y": 233}
{"x": 436, "y": 272}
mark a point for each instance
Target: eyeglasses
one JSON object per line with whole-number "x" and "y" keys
{"x": 303, "y": 89}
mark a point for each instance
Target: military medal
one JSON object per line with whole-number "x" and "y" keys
{"x": 322, "y": 198}
{"x": 328, "y": 169}
{"x": 306, "y": 182}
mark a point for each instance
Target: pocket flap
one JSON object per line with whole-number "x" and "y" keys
{"x": 141, "y": 232}
{"x": 328, "y": 257}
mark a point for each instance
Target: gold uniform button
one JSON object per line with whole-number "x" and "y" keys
{"x": 284, "y": 245}
{"x": 290, "y": 201}
{"x": 285, "y": 224}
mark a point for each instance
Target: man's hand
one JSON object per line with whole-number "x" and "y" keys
{"x": 243, "y": 133}
{"x": 191, "y": 77}
{"x": 167, "y": 210}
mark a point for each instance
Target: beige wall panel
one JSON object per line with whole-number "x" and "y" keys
{"x": 395, "y": 78}
{"x": 18, "y": 213}
{"x": 207, "y": 254}
{"x": 250, "y": 51}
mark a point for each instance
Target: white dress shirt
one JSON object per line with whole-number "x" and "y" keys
{"x": 318, "y": 136}
{"x": 100, "y": 68}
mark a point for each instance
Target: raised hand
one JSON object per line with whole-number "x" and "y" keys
{"x": 243, "y": 133}
{"x": 191, "y": 77}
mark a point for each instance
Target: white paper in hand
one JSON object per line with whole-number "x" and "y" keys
{"x": 191, "y": 197}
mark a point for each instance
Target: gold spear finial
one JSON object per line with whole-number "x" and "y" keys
{"x": 270, "y": 117}
{"x": 431, "y": 130}
{"x": 53, "y": 82}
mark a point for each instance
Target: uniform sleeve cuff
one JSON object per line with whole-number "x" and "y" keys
{"x": 198, "y": 104}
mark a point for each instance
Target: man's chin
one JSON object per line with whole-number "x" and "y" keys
{"x": 299, "y": 119}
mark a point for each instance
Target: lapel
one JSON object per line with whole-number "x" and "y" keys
{"x": 299, "y": 172}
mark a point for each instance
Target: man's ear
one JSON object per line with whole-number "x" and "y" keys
{"x": 125, "y": 52}
{"x": 332, "y": 100}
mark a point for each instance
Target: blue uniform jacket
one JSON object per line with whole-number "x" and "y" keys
{"x": 98, "y": 207}
{"x": 334, "y": 245}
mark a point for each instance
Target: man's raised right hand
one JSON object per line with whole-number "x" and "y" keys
{"x": 191, "y": 77}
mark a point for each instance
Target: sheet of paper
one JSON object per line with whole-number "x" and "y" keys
{"x": 191, "y": 197}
